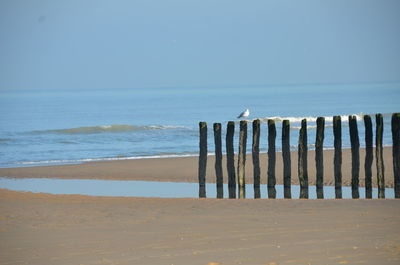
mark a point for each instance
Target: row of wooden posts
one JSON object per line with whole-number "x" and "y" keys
{"x": 302, "y": 157}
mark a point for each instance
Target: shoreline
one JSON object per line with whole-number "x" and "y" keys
{"x": 184, "y": 169}
{"x": 61, "y": 162}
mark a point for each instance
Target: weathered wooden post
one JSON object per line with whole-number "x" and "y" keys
{"x": 256, "y": 158}
{"x": 355, "y": 156}
{"x": 218, "y": 160}
{"x": 242, "y": 159}
{"x": 287, "y": 171}
{"x": 396, "y": 153}
{"x": 319, "y": 157}
{"x": 380, "y": 168}
{"x": 271, "y": 159}
{"x": 302, "y": 160}
{"x": 369, "y": 156}
{"x": 230, "y": 160}
{"x": 337, "y": 160}
{"x": 202, "y": 159}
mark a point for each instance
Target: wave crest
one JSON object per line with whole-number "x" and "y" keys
{"x": 359, "y": 117}
{"x": 115, "y": 128}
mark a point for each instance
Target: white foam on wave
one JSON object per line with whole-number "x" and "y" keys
{"x": 359, "y": 117}
{"x": 86, "y": 160}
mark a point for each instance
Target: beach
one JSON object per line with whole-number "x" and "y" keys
{"x": 184, "y": 169}
{"x": 38, "y": 228}
{"x": 105, "y": 105}
{"x": 73, "y": 229}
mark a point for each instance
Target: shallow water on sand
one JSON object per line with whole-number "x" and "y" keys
{"x": 123, "y": 188}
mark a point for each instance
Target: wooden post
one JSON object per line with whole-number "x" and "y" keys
{"x": 319, "y": 157}
{"x": 242, "y": 159}
{"x": 202, "y": 159}
{"x": 287, "y": 171}
{"x": 396, "y": 153}
{"x": 230, "y": 160}
{"x": 302, "y": 160}
{"x": 337, "y": 160}
{"x": 355, "y": 156}
{"x": 218, "y": 160}
{"x": 271, "y": 159}
{"x": 369, "y": 156}
{"x": 380, "y": 168}
{"x": 256, "y": 158}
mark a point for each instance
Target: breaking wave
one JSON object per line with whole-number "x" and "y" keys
{"x": 359, "y": 117}
{"x": 115, "y": 128}
{"x": 344, "y": 118}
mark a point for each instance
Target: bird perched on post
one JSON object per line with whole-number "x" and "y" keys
{"x": 244, "y": 114}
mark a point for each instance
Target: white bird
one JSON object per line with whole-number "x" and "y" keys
{"x": 244, "y": 114}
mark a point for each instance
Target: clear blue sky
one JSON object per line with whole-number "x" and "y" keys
{"x": 54, "y": 44}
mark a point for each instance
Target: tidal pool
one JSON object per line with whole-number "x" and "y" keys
{"x": 125, "y": 188}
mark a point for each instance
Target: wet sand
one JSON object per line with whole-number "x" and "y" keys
{"x": 185, "y": 169}
{"x": 72, "y": 229}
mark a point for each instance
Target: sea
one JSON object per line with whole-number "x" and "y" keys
{"x": 70, "y": 126}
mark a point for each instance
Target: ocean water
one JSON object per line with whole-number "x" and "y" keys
{"x": 41, "y": 127}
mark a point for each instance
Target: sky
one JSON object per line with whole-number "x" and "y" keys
{"x": 97, "y": 44}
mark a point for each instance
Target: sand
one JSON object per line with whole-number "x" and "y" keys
{"x": 72, "y": 229}
{"x": 185, "y": 169}
{"x": 48, "y": 229}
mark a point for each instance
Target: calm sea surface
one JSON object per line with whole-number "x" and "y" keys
{"x": 72, "y": 126}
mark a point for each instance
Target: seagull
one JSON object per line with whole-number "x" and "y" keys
{"x": 244, "y": 114}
